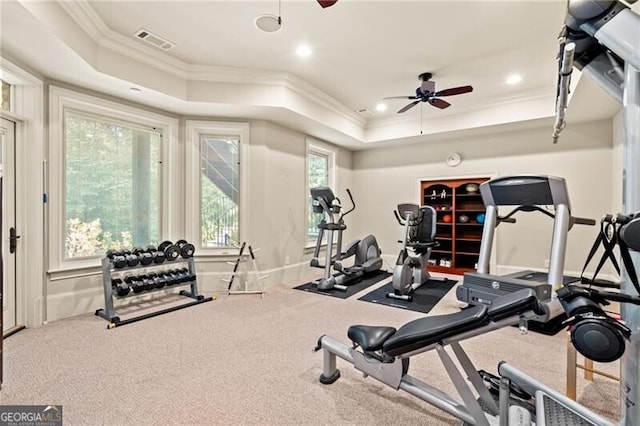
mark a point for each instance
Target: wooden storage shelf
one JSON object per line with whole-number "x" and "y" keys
{"x": 461, "y": 239}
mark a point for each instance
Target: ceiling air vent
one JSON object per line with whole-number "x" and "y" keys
{"x": 366, "y": 112}
{"x": 154, "y": 40}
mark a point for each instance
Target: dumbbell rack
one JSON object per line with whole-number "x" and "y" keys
{"x": 108, "y": 312}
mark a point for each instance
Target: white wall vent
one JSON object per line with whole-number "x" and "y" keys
{"x": 365, "y": 112}
{"x": 154, "y": 40}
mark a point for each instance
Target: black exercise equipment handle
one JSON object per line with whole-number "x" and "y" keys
{"x": 353, "y": 205}
{"x": 533, "y": 208}
{"x": 398, "y": 218}
{"x": 583, "y": 221}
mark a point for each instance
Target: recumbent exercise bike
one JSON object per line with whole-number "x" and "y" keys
{"x": 366, "y": 251}
{"x": 410, "y": 272}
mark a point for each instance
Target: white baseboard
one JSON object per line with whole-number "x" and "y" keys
{"x": 76, "y": 302}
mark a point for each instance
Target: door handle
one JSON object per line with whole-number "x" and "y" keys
{"x": 13, "y": 240}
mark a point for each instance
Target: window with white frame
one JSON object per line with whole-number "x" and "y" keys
{"x": 215, "y": 194}
{"x": 320, "y": 172}
{"x": 112, "y": 185}
{"x": 106, "y": 177}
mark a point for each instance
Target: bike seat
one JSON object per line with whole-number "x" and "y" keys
{"x": 369, "y": 338}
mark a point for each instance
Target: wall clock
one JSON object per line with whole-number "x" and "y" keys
{"x": 453, "y": 159}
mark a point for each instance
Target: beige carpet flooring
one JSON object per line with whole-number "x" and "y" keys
{"x": 249, "y": 360}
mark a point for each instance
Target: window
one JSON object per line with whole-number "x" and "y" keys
{"x": 320, "y": 172}
{"x": 219, "y": 191}
{"x": 214, "y": 215}
{"x": 112, "y": 185}
{"x": 5, "y": 95}
{"x": 108, "y": 186}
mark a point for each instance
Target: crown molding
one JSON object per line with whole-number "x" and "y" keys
{"x": 85, "y": 16}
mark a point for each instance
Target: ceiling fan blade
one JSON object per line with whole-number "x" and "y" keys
{"x": 455, "y": 91}
{"x": 400, "y": 97}
{"x": 439, "y": 103}
{"x": 327, "y": 3}
{"x": 407, "y": 107}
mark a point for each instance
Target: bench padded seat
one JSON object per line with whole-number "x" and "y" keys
{"x": 426, "y": 331}
{"x": 369, "y": 338}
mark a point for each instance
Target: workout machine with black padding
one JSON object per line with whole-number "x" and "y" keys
{"x": 366, "y": 252}
{"x": 418, "y": 238}
{"x": 384, "y": 353}
{"x": 601, "y": 39}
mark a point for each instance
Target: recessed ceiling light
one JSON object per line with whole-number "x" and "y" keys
{"x": 381, "y": 107}
{"x": 303, "y": 51}
{"x": 513, "y": 79}
{"x": 268, "y": 23}
{"x": 134, "y": 90}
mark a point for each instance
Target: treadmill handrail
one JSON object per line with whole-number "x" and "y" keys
{"x": 574, "y": 220}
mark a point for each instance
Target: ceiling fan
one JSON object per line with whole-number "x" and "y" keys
{"x": 427, "y": 93}
{"x": 326, "y": 3}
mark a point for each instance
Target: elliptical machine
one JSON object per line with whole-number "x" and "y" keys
{"x": 366, "y": 251}
{"x": 410, "y": 272}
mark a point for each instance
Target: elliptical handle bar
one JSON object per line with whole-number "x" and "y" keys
{"x": 353, "y": 205}
{"x": 395, "y": 213}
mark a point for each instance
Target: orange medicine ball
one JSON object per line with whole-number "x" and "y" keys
{"x": 447, "y": 218}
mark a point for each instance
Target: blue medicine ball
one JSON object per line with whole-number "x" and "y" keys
{"x": 480, "y": 218}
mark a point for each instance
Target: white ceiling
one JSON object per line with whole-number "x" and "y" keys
{"x": 223, "y": 66}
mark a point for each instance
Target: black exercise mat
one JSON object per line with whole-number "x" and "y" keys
{"x": 356, "y": 287}
{"x": 424, "y": 298}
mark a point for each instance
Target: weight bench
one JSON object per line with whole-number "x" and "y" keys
{"x": 384, "y": 352}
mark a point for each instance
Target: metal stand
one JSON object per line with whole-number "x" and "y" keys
{"x": 607, "y": 39}
{"x": 108, "y": 312}
{"x": 630, "y": 363}
{"x": 242, "y": 258}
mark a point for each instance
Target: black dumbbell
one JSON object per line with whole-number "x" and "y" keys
{"x": 158, "y": 256}
{"x": 170, "y": 250}
{"x": 181, "y": 277}
{"x": 186, "y": 249}
{"x": 173, "y": 276}
{"x": 132, "y": 259}
{"x": 158, "y": 281}
{"x": 188, "y": 276}
{"x": 117, "y": 258}
{"x": 145, "y": 256}
{"x": 147, "y": 282}
{"x": 169, "y": 278}
{"x": 120, "y": 287}
{"x": 135, "y": 283}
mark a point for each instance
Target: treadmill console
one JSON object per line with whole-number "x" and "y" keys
{"x": 524, "y": 190}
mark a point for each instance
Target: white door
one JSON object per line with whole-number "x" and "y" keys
{"x": 9, "y": 237}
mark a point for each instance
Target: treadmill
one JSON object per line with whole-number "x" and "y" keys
{"x": 526, "y": 193}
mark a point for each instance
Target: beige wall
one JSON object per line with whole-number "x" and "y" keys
{"x": 276, "y": 223}
{"x": 384, "y": 177}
